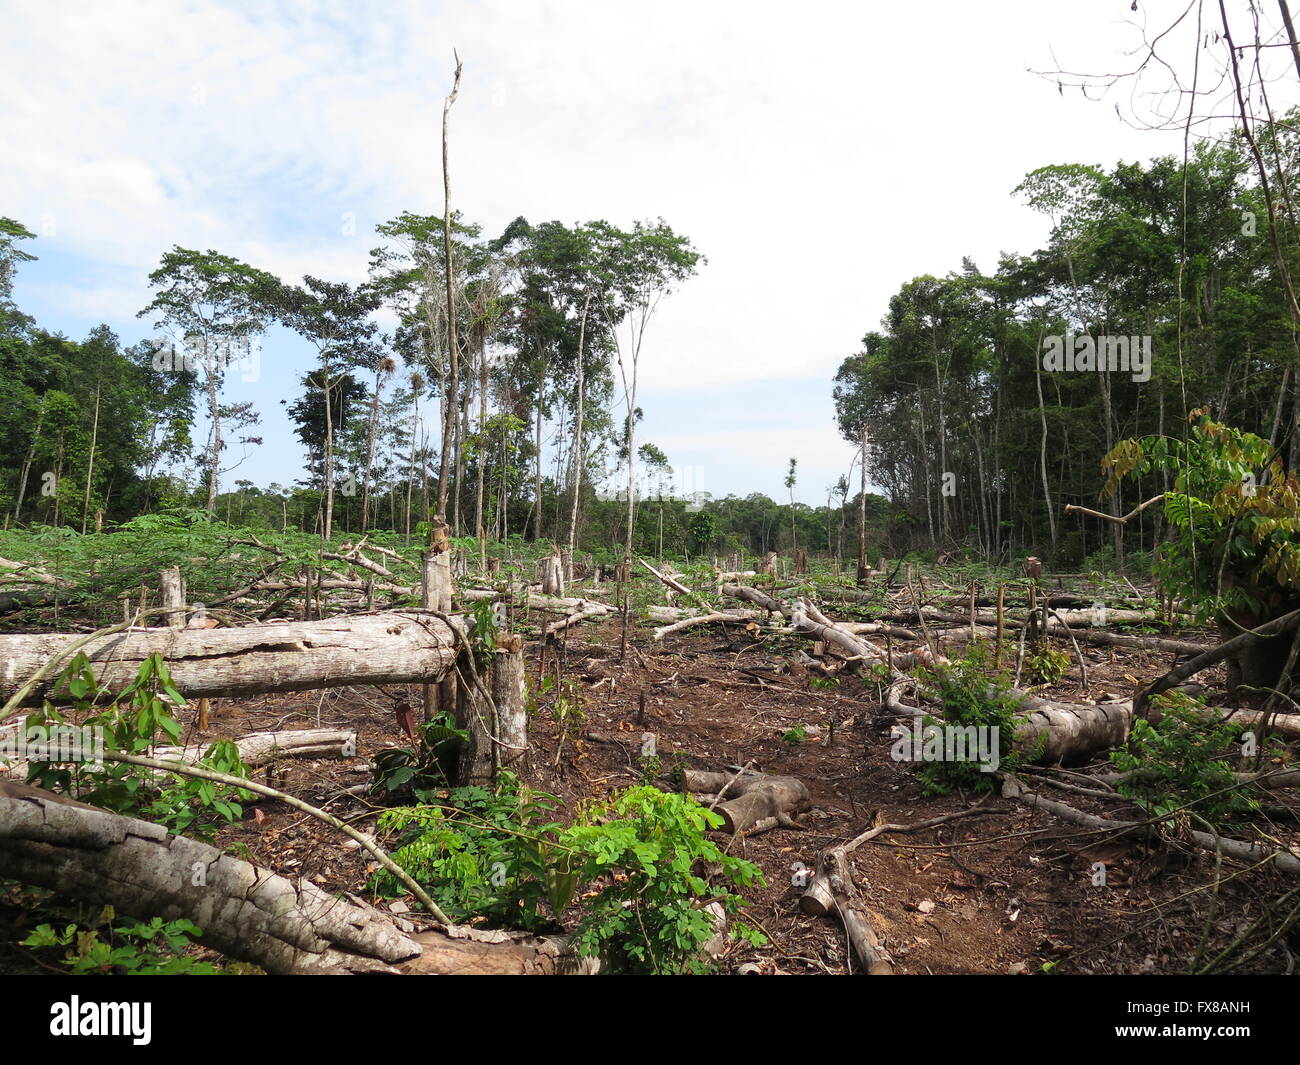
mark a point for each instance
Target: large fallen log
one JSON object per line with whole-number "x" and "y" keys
{"x": 284, "y": 926}
{"x": 1083, "y": 631}
{"x": 245, "y": 911}
{"x": 393, "y": 647}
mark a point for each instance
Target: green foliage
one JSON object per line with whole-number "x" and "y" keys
{"x": 502, "y": 855}
{"x": 153, "y": 948}
{"x": 650, "y": 917}
{"x": 137, "y": 719}
{"x": 1046, "y": 664}
{"x": 795, "y": 736}
{"x": 484, "y": 853}
{"x": 422, "y": 771}
{"x": 1233, "y": 513}
{"x": 972, "y": 692}
{"x": 1179, "y": 761}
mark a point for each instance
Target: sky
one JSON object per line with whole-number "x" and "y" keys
{"x": 819, "y": 154}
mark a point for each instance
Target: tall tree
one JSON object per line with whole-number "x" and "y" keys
{"x": 215, "y": 305}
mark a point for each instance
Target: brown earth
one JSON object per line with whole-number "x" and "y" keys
{"x": 996, "y": 894}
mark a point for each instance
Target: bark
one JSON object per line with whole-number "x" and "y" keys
{"x": 577, "y": 430}
{"x": 285, "y": 926}
{"x": 396, "y": 647}
{"x": 245, "y": 911}
{"x": 862, "y": 511}
{"x": 173, "y": 596}
{"x": 90, "y": 465}
{"x": 1230, "y": 649}
{"x": 702, "y": 619}
{"x": 453, "y": 376}
{"x": 1284, "y": 859}
{"x": 753, "y": 802}
{"x": 833, "y": 888}
{"x": 493, "y": 712}
{"x": 255, "y": 749}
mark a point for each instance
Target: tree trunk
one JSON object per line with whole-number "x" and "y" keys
{"x": 755, "y": 802}
{"x": 450, "y": 405}
{"x": 90, "y": 465}
{"x": 397, "y": 647}
{"x": 862, "y": 512}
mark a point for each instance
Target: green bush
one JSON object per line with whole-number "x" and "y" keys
{"x": 640, "y": 854}
{"x": 1179, "y": 761}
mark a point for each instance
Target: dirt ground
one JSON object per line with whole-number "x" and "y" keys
{"x": 1005, "y": 893}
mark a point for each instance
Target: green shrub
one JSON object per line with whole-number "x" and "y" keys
{"x": 640, "y": 854}
{"x": 972, "y": 692}
{"x": 1179, "y": 760}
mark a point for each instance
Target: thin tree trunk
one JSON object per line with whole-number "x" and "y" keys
{"x": 479, "y": 531}
{"x": 862, "y": 509}
{"x": 577, "y": 430}
{"x": 454, "y": 362}
{"x": 90, "y": 465}
{"x": 537, "y": 470}
{"x": 1042, "y": 443}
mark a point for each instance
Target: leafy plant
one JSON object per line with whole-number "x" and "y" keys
{"x": 153, "y": 948}
{"x": 1179, "y": 760}
{"x": 484, "y": 853}
{"x": 795, "y": 736}
{"x": 425, "y": 769}
{"x": 502, "y": 855}
{"x": 1047, "y": 665}
{"x": 972, "y": 692}
{"x": 132, "y": 724}
{"x": 1232, "y": 509}
{"x": 650, "y": 916}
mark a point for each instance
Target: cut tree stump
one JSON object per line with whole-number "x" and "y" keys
{"x": 495, "y": 716}
{"x": 751, "y": 802}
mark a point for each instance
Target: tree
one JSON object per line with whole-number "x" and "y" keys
{"x": 215, "y": 305}
{"x": 790, "y": 481}
{"x": 335, "y": 319}
{"x": 634, "y": 271}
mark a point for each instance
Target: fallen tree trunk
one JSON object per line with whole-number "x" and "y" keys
{"x": 1083, "y": 631}
{"x": 1284, "y": 859}
{"x": 740, "y": 618}
{"x": 395, "y": 647}
{"x": 259, "y": 748}
{"x": 245, "y": 911}
{"x": 836, "y": 876}
{"x": 752, "y": 802}
{"x": 255, "y": 749}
